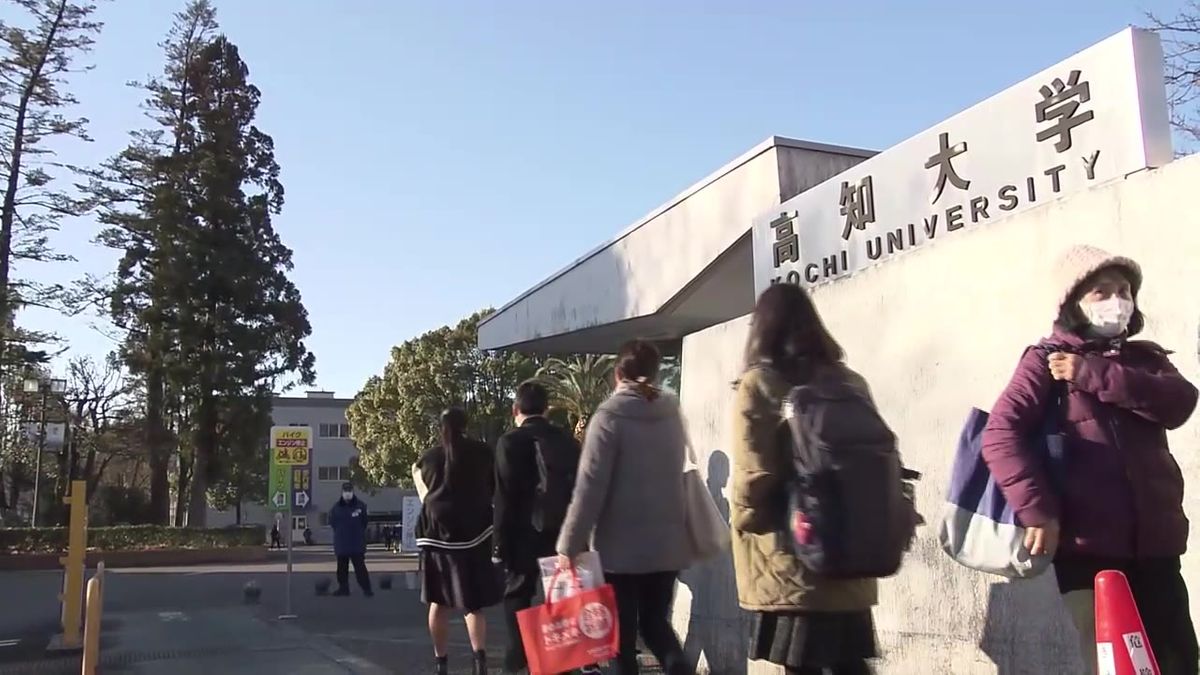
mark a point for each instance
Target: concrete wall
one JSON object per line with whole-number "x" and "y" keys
{"x": 935, "y": 332}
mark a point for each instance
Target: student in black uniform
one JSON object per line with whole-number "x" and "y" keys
{"x": 454, "y": 534}
{"x": 535, "y": 477}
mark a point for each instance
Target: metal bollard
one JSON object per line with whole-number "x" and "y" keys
{"x": 73, "y": 564}
{"x": 91, "y": 626}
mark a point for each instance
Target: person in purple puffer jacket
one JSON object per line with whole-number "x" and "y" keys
{"x": 1120, "y": 502}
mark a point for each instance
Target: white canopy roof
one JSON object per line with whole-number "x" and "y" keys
{"x": 684, "y": 267}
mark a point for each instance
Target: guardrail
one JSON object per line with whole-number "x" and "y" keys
{"x": 91, "y": 624}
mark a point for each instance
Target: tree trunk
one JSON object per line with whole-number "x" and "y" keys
{"x": 204, "y": 450}
{"x": 237, "y": 511}
{"x": 160, "y": 455}
{"x": 62, "y": 483}
{"x": 90, "y": 472}
{"x": 183, "y": 482}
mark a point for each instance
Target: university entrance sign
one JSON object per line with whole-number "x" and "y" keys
{"x": 1097, "y": 116}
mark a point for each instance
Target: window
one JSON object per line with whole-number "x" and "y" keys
{"x": 334, "y": 431}
{"x": 333, "y": 473}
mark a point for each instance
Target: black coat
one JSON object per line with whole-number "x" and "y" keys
{"x": 518, "y": 543}
{"x": 349, "y": 523}
{"x": 457, "y": 511}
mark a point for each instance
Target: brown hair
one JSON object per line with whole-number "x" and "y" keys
{"x": 638, "y": 361}
{"x": 787, "y": 333}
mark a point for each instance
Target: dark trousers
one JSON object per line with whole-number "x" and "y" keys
{"x": 520, "y": 588}
{"x": 1162, "y": 600}
{"x": 360, "y": 572}
{"x": 644, "y": 607}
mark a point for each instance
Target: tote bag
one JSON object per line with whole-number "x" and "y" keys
{"x": 978, "y": 528}
{"x": 568, "y": 634}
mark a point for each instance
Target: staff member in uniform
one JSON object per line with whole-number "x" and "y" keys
{"x": 349, "y": 522}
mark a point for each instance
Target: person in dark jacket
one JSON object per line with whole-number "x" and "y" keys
{"x": 1120, "y": 504}
{"x": 524, "y": 529}
{"x": 454, "y": 533}
{"x": 349, "y": 522}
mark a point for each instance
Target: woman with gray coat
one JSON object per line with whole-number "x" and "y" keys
{"x": 629, "y": 504}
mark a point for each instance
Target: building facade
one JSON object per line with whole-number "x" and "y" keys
{"x": 333, "y": 454}
{"x": 938, "y": 291}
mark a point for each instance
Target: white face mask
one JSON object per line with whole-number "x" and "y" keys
{"x": 1109, "y": 318}
{"x": 347, "y": 496}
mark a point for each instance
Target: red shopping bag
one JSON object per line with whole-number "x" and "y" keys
{"x": 571, "y": 633}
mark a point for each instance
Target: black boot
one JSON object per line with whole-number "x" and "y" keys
{"x": 441, "y": 667}
{"x": 480, "y": 663}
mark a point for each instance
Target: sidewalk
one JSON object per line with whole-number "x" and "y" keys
{"x": 227, "y": 641}
{"x": 195, "y": 620}
{"x": 231, "y": 640}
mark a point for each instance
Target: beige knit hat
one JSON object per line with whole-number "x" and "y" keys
{"x": 1078, "y": 263}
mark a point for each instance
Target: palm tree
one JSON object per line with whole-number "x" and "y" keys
{"x": 578, "y": 385}
{"x": 670, "y": 373}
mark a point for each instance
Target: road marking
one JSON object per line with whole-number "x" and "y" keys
{"x": 9, "y": 643}
{"x": 172, "y": 616}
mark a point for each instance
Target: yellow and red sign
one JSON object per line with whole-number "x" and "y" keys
{"x": 290, "y": 445}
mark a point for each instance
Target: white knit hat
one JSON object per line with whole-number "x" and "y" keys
{"x": 1078, "y": 263}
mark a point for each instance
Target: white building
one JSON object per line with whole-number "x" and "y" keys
{"x": 332, "y": 456}
{"x": 935, "y": 330}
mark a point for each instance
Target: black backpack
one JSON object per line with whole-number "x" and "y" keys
{"x": 851, "y": 513}
{"x": 557, "y": 459}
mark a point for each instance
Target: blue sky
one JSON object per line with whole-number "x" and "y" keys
{"x": 442, "y": 157}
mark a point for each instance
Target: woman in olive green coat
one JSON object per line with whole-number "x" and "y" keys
{"x": 805, "y": 623}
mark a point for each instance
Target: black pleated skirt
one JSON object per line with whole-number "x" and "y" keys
{"x": 462, "y": 579}
{"x": 812, "y": 639}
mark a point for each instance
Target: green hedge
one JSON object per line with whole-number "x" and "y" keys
{"x": 130, "y": 538}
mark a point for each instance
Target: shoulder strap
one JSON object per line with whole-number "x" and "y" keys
{"x": 1149, "y": 346}
{"x": 1051, "y": 347}
{"x": 1058, "y": 390}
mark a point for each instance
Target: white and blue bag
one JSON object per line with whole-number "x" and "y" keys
{"x": 978, "y": 528}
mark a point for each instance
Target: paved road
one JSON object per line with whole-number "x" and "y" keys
{"x": 169, "y": 618}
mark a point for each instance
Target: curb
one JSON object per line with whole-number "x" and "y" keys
{"x": 28, "y": 562}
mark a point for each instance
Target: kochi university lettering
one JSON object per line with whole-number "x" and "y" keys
{"x": 1058, "y": 112}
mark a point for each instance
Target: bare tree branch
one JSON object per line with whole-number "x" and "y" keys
{"x": 1181, "y": 46}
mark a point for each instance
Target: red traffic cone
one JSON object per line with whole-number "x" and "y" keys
{"x": 1121, "y": 644}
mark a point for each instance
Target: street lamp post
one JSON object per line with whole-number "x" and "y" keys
{"x": 45, "y": 388}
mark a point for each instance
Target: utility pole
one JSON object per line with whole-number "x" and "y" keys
{"x": 37, "y": 472}
{"x": 45, "y": 388}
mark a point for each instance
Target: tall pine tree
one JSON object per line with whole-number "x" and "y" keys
{"x": 245, "y": 326}
{"x": 143, "y": 197}
{"x": 213, "y": 322}
{"x": 35, "y": 61}
{"x": 38, "y": 48}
